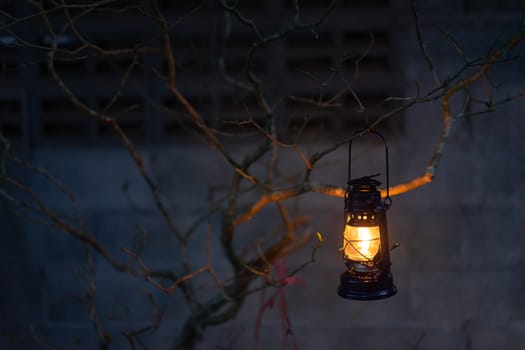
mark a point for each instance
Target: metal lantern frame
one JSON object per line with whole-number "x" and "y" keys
{"x": 368, "y": 277}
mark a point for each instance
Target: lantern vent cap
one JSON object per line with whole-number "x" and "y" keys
{"x": 364, "y": 184}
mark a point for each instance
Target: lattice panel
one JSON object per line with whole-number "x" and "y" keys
{"x": 296, "y": 72}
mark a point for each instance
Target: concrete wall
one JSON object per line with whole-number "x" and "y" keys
{"x": 459, "y": 267}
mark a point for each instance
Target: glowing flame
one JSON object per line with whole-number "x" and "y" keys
{"x": 361, "y": 243}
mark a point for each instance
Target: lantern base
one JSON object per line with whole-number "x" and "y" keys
{"x": 355, "y": 288}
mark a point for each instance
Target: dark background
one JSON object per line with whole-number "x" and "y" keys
{"x": 459, "y": 267}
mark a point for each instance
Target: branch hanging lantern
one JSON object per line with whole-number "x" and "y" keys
{"x": 365, "y": 249}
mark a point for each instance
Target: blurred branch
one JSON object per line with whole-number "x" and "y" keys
{"x": 423, "y": 46}
{"x": 90, "y": 280}
{"x": 197, "y": 118}
{"x": 116, "y": 127}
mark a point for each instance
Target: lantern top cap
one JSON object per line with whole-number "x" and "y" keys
{"x": 364, "y": 184}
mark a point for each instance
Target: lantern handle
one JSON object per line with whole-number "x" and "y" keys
{"x": 388, "y": 201}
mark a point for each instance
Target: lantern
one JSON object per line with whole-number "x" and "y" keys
{"x": 365, "y": 249}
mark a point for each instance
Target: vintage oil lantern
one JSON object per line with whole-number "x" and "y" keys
{"x": 366, "y": 251}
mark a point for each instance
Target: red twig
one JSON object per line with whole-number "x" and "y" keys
{"x": 287, "y": 335}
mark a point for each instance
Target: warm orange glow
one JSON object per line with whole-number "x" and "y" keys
{"x": 361, "y": 243}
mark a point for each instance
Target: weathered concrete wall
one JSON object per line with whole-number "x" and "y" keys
{"x": 459, "y": 267}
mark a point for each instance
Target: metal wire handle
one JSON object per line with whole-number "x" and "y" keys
{"x": 388, "y": 201}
